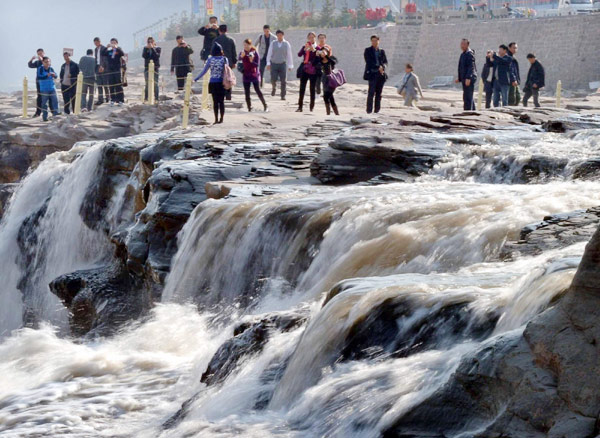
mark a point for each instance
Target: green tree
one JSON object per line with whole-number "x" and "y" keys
{"x": 295, "y": 13}
{"x": 327, "y": 14}
{"x": 345, "y": 18}
{"x": 361, "y": 13}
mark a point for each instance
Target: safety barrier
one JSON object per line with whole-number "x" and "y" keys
{"x": 186, "y": 101}
{"x": 25, "y": 97}
{"x": 480, "y": 95}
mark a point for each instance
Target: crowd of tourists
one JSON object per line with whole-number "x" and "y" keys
{"x": 104, "y": 69}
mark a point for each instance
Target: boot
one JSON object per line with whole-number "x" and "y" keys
{"x": 328, "y": 108}
{"x": 335, "y": 110}
{"x": 299, "y": 110}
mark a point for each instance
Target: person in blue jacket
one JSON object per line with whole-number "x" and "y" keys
{"x": 467, "y": 74}
{"x": 503, "y": 75}
{"x": 46, "y": 76}
{"x": 216, "y": 63}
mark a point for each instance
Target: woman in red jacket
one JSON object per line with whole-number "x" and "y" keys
{"x": 307, "y": 71}
{"x": 251, "y": 74}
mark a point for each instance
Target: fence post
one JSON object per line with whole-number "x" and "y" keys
{"x": 205, "y": 100}
{"x": 150, "y": 83}
{"x": 25, "y": 97}
{"x": 186, "y": 101}
{"x": 480, "y": 95}
{"x": 78, "y": 91}
{"x": 558, "y": 91}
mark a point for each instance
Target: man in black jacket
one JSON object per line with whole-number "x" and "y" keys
{"x": 536, "y": 79}
{"x": 115, "y": 61}
{"x": 487, "y": 76}
{"x": 181, "y": 63}
{"x": 514, "y": 97}
{"x": 210, "y": 32}
{"x": 375, "y": 64}
{"x": 503, "y": 75}
{"x": 151, "y": 53}
{"x": 36, "y": 62}
{"x": 101, "y": 73}
{"x": 228, "y": 45}
{"x": 467, "y": 74}
{"x": 68, "y": 82}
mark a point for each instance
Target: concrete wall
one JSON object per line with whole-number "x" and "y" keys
{"x": 568, "y": 47}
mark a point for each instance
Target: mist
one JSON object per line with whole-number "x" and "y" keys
{"x": 53, "y": 25}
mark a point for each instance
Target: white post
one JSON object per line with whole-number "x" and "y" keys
{"x": 186, "y": 101}
{"x": 558, "y": 92}
{"x": 78, "y": 91}
{"x": 150, "y": 83}
{"x": 25, "y": 97}
{"x": 480, "y": 95}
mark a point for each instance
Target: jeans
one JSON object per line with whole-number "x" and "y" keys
{"x": 279, "y": 72}
{"x": 116, "y": 87}
{"x": 313, "y": 89}
{"x": 500, "y": 91}
{"x": 68, "y": 93}
{"x": 155, "y": 85}
{"x": 258, "y": 93}
{"x": 87, "y": 95}
{"x": 374, "y": 93}
{"x": 49, "y": 96}
{"x": 514, "y": 97}
{"x": 469, "y": 105}
{"x": 102, "y": 82}
{"x": 530, "y": 91}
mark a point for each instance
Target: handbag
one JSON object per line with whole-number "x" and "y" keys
{"x": 300, "y": 71}
{"x": 229, "y": 79}
{"x": 240, "y": 66}
{"x": 336, "y": 79}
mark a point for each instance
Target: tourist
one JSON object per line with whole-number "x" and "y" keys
{"x": 87, "y": 66}
{"x": 279, "y": 61}
{"x": 262, "y": 46}
{"x": 502, "y": 75}
{"x": 307, "y": 72}
{"x": 216, "y": 63}
{"x": 115, "y": 60}
{"x": 36, "y": 62}
{"x": 228, "y": 46}
{"x": 326, "y": 62}
{"x": 101, "y": 74}
{"x": 514, "y": 97}
{"x": 536, "y": 79}
{"x": 181, "y": 63}
{"x": 210, "y": 32}
{"x": 68, "y": 82}
{"x": 151, "y": 53}
{"x": 375, "y": 65}
{"x": 251, "y": 74}
{"x": 467, "y": 74}
{"x": 487, "y": 76}
{"x": 46, "y": 76}
{"x": 410, "y": 85}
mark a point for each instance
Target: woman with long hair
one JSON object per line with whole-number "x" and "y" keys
{"x": 251, "y": 73}
{"x": 326, "y": 62}
{"x": 307, "y": 71}
{"x": 216, "y": 63}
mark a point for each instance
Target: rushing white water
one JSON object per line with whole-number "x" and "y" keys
{"x": 429, "y": 246}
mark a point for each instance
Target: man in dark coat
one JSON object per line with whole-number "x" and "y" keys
{"x": 375, "y": 65}
{"x": 503, "y": 76}
{"x": 151, "y": 53}
{"x": 36, "y": 62}
{"x": 115, "y": 61}
{"x": 68, "y": 82}
{"x": 514, "y": 97}
{"x": 181, "y": 63}
{"x": 228, "y": 45}
{"x": 536, "y": 79}
{"x": 101, "y": 73}
{"x": 467, "y": 74}
{"x": 487, "y": 76}
{"x": 210, "y": 32}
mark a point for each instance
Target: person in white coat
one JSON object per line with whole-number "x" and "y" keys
{"x": 409, "y": 86}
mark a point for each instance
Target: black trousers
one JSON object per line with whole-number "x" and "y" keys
{"x": 262, "y": 67}
{"x": 468, "y": 96}
{"x": 68, "y": 93}
{"x": 218, "y": 92}
{"x": 256, "y": 85}
{"x": 102, "y": 82}
{"x": 374, "y": 93}
{"x": 181, "y": 73}
{"x": 530, "y": 91}
{"x": 489, "y": 93}
{"x": 38, "y": 100}
{"x": 116, "y": 87}
{"x": 312, "y": 79}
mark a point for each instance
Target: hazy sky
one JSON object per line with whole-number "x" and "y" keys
{"x": 26, "y": 25}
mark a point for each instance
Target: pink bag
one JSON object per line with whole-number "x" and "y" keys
{"x": 229, "y": 79}
{"x": 336, "y": 78}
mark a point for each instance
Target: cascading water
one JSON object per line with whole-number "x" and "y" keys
{"x": 397, "y": 282}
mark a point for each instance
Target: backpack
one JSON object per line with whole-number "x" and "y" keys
{"x": 229, "y": 79}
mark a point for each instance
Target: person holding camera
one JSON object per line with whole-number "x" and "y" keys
{"x": 503, "y": 75}
{"x": 36, "y": 62}
{"x": 326, "y": 63}
{"x": 487, "y": 76}
{"x": 151, "y": 53}
{"x": 181, "y": 63}
{"x": 375, "y": 65}
{"x": 279, "y": 61}
{"x": 307, "y": 72}
{"x": 115, "y": 60}
{"x": 46, "y": 76}
{"x": 210, "y": 32}
{"x": 251, "y": 73}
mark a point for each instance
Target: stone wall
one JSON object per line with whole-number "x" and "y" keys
{"x": 568, "y": 47}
